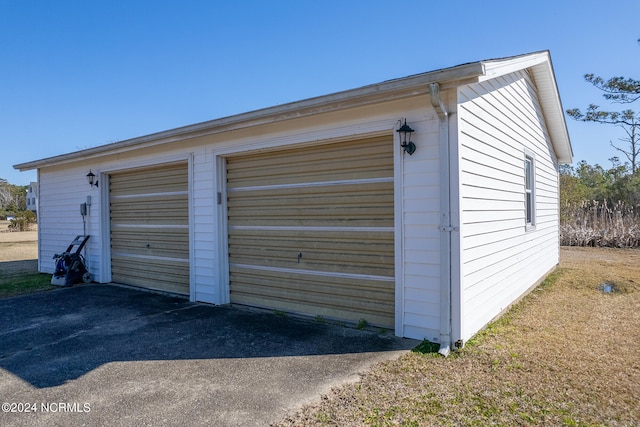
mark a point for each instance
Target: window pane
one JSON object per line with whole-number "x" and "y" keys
{"x": 529, "y": 191}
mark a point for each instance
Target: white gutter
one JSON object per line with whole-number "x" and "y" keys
{"x": 445, "y": 221}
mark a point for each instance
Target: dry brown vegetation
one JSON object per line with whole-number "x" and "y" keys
{"x": 567, "y": 355}
{"x": 593, "y": 223}
{"x": 17, "y": 246}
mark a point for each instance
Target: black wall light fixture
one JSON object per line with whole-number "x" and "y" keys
{"x": 91, "y": 177}
{"x": 405, "y": 132}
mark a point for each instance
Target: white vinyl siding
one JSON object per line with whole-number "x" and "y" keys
{"x": 204, "y": 237}
{"x": 499, "y": 120}
{"x": 62, "y": 190}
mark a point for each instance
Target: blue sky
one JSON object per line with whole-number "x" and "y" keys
{"x": 76, "y": 74}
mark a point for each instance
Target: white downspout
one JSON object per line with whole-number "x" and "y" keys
{"x": 38, "y": 220}
{"x": 445, "y": 222}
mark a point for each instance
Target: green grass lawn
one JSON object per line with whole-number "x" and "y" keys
{"x": 12, "y": 285}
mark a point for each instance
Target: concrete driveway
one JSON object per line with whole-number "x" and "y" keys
{"x": 109, "y": 355}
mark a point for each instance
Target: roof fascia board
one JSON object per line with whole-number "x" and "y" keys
{"x": 386, "y": 91}
{"x": 500, "y": 67}
{"x": 553, "y": 111}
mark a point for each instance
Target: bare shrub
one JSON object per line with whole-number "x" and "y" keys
{"x": 22, "y": 221}
{"x": 594, "y": 223}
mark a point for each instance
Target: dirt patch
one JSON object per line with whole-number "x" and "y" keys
{"x": 566, "y": 355}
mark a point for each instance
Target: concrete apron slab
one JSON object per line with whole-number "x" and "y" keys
{"x": 109, "y": 355}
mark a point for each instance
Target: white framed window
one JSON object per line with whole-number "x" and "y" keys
{"x": 529, "y": 190}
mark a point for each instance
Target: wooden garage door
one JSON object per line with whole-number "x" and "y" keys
{"x": 150, "y": 228}
{"x": 311, "y": 230}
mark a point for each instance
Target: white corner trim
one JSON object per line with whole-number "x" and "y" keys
{"x": 398, "y": 197}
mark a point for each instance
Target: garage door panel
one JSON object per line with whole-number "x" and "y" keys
{"x": 348, "y": 293}
{"x": 308, "y": 178}
{"x": 315, "y": 157}
{"x": 161, "y": 243}
{"x": 328, "y": 311}
{"x": 361, "y": 160}
{"x": 343, "y": 265}
{"x": 382, "y": 186}
{"x": 301, "y": 279}
{"x": 143, "y": 211}
{"x": 168, "y": 185}
{"x": 300, "y": 222}
{"x": 334, "y": 205}
{"x": 150, "y": 204}
{"x": 312, "y": 199}
{"x": 169, "y": 219}
{"x": 351, "y": 262}
{"x": 305, "y": 165}
{"x": 327, "y": 216}
{"x": 324, "y": 203}
{"x": 149, "y": 211}
{"x": 309, "y": 234}
{"x": 319, "y": 154}
{"x": 153, "y": 237}
{"x": 170, "y": 210}
{"x": 352, "y": 257}
{"x": 378, "y": 245}
{"x": 153, "y": 274}
{"x": 165, "y": 179}
{"x": 331, "y": 298}
{"x": 165, "y": 268}
{"x": 307, "y": 296}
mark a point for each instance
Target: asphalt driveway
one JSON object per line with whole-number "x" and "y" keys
{"x": 109, "y": 355}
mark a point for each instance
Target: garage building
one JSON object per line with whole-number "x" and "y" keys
{"x": 321, "y": 207}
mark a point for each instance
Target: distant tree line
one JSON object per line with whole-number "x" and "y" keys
{"x": 13, "y": 204}
{"x": 617, "y": 184}
{"x": 600, "y": 206}
{"x": 13, "y": 198}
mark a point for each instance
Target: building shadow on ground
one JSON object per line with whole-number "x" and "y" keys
{"x": 52, "y": 337}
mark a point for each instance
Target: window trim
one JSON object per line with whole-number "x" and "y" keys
{"x": 529, "y": 190}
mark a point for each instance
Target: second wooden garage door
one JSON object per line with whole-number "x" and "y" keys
{"x": 149, "y": 211}
{"x": 311, "y": 230}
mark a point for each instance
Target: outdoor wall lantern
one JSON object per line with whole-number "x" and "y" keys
{"x": 91, "y": 177}
{"x": 405, "y": 132}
